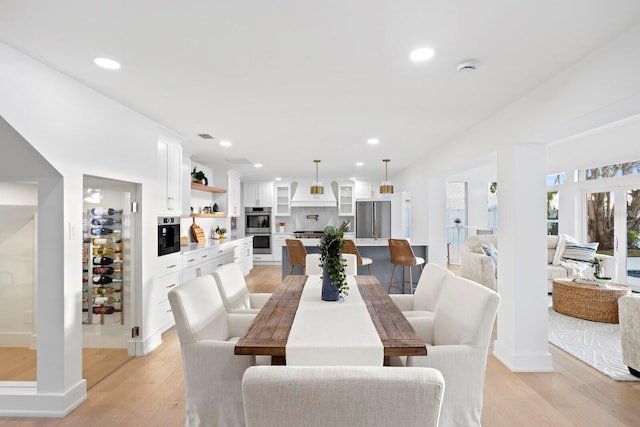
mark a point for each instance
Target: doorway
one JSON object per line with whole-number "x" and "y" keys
{"x": 617, "y": 230}
{"x": 110, "y": 272}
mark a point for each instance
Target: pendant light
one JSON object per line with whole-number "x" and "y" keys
{"x": 386, "y": 187}
{"x": 316, "y": 186}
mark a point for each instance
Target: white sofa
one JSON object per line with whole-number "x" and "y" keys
{"x": 480, "y": 268}
{"x": 629, "y": 310}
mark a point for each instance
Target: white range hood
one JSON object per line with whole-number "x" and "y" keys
{"x": 302, "y": 197}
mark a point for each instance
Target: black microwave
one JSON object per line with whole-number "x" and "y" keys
{"x": 168, "y": 235}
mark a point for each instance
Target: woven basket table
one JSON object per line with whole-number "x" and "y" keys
{"x": 589, "y": 302}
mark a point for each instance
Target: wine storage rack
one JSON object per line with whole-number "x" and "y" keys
{"x": 102, "y": 266}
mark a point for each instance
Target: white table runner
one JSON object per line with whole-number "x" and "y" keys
{"x": 333, "y": 333}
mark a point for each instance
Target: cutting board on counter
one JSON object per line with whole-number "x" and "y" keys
{"x": 197, "y": 234}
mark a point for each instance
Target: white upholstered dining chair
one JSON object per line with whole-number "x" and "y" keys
{"x": 234, "y": 292}
{"x": 341, "y": 396}
{"x": 312, "y": 264}
{"x": 457, "y": 338}
{"x": 423, "y": 302}
{"x": 212, "y": 372}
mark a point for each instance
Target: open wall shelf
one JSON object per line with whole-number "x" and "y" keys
{"x": 210, "y": 189}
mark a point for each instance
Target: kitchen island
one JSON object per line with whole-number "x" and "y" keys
{"x": 376, "y": 249}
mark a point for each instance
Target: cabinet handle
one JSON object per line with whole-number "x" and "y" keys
{"x": 171, "y": 266}
{"x": 170, "y": 203}
{"x": 204, "y": 256}
{"x": 198, "y": 272}
{"x": 191, "y": 260}
{"x": 169, "y": 311}
{"x": 171, "y": 286}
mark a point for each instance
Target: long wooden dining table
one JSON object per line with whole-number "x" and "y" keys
{"x": 270, "y": 329}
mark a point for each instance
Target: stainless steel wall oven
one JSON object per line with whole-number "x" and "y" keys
{"x": 258, "y": 225}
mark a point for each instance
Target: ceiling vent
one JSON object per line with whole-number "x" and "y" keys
{"x": 238, "y": 161}
{"x": 205, "y": 136}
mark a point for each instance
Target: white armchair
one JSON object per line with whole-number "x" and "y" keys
{"x": 425, "y": 298}
{"x": 234, "y": 292}
{"x": 629, "y": 313}
{"x": 212, "y": 372}
{"x": 341, "y": 396}
{"x": 457, "y": 339}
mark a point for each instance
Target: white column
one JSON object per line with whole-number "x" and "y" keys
{"x": 436, "y": 220}
{"x": 522, "y": 341}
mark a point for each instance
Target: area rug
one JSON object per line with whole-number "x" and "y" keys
{"x": 597, "y": 344}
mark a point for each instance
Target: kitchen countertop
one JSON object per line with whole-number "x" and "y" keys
{"x": 359, "y": 242}
{"x": 211, "y": 243}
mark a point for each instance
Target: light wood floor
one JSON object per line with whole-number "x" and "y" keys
{"x": 149, "y": 391}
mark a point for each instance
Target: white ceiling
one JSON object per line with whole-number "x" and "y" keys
{"x": 291, "y": 81}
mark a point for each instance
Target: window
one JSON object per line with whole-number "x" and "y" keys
{"x": 552, "y": 213}
{"x": 610, "y": 171}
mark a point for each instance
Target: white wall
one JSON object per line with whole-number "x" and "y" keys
{"x": 79, "y": 132}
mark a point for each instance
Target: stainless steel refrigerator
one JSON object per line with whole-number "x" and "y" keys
{"x": 373, "y": 219}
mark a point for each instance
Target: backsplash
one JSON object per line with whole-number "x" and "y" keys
{"x": 298, "y": 220}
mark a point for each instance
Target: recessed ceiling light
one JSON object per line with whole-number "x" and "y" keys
{"x": 257, "y": 165}
{"x": 107, "y": 63}
{"x": 373, "y": 141}
{"x": 359, "y": 164}
{"x": 278, "y": 178}
{"x": 353, "y": 178}
{"x": 422, "y": 54}
{"x": 225, "y": 143}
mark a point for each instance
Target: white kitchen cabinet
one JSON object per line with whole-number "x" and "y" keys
{"x": 234, "y": 191}
{"x": 246, "y": 255}
{"x": 242, "y": 253}
{"x": 346, "y": 200}
{"x": 168, "y": 276}
{"x": 185, "y": 185}
{"x": 282, "y": 200}
{"x": 258, "y": 194}
{"x": 205, "y": 261}
{"x": 170, "y": 177}
{"x": 278, "y": 242}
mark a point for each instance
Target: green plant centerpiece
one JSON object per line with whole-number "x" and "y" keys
{"x": 334, "y": 279}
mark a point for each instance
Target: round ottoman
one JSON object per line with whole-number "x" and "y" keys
{"x": 589, "y": 302}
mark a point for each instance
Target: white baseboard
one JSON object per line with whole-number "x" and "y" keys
{"x": 21, "y": 399}
{"x": 522, "y": 362}
{"x": 16, "y": 339}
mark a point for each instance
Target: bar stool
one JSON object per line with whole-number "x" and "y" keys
{"x": 402, "y": 254}
{"x": 351, "y": 248}
{"x": 297, "y": 254}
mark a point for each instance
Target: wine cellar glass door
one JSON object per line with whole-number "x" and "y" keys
{"x": 107, "y": 291}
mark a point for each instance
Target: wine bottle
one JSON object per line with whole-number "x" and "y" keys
{"x": 106, "y": 270}
{"x": 104, "y": 221}
{"x": 101, "y": 231}
{"x": 102, "y": 260}
{"x": 106, "y": 251}
{"x": 102, "y": 211}
{"x": 103, "y": 309}
{"x": 104, "y": 280}
{"x": 106, "y": 240}
{"x": 104, "y": 290}
{"x": 105, "y": 300}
